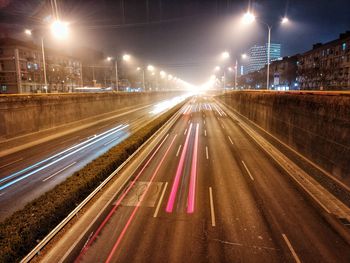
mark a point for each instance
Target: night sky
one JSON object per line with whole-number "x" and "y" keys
{"x": 186, "y": 37}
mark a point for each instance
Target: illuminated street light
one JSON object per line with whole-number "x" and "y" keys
{"x": 217, "y": 68}
{"x": 28, "y": 32}
{"x": 126, "y": 57}
{"x": 285, "y": 20}
{"x": 109, "y": 58}
{"x": 225, "y": 55}
{"x": 59, "y": 29}
{"x": 244, "y": 56}
{"x": 248, "y": 18}
{"x": 230, "y": 69}
{"x": 150, "y": 68}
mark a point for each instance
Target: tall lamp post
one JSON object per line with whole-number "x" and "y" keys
{"x": 125, "y": 57}
{"x": 249, "y": 18}
{"x": 143, "y": 77}
{"x": 59, "y": 29}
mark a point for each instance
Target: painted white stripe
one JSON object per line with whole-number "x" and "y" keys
{"x": 212, "y": 211}
{"x": 205, "y": 133}
{"x": 178, "y": 150}
{"x": 230, "y": 140}
{"x": 246, "y": 168}
{"x": 47, "y": 178}
{"x": 185, "y": 132}
{"x": 294, "y": 254}
{"x": 15, "y": 161}
{"x": 206, "y": 152}
{"x": 204, "y": 122}
{"x": 160, "y": 200}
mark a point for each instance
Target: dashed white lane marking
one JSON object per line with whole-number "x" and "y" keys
{"x": 15, "y": 161}
{"x": 185, "y": 132}
{"x": 160, "y": 200}
{"x": 212, "y": 211}
{"x": 207, "y": 152}
{"x": 205, "y": 133}
{"x": 47, "y": 178}
{"x": 230, "y": 140}
{"x": 178, "y": 150}
{"x": 246, "y": 168}
{"x": 294, "y": 254}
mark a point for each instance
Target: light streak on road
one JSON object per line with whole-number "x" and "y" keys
{"x": 56, "y": 155}
{"x": 120, "y": 199}
{"x": 59, "y": 159}
{"x": 193, "y": 179}
{"x": 174, "y": 188}
{"x": 138, "y": 205}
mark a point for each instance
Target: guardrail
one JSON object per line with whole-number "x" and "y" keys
{"x": 65, "y": 221}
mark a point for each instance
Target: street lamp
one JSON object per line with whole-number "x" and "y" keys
{"x": 126, "y": 57}
{"x": 58, "y": 29}
{"x": 143, "y": 77}
{"x": 249, "y": 18}
{"x": 150, "y": 68}
{"x": 225, "y": 55}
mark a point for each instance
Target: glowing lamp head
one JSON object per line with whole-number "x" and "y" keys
{"x": 28, "y": 32}
{"x": 126, "y": 57}
{"x": 109, "y": 58}
{"x": 59, "y": 29}
{"x": 244, "y": 56}
{"x": 225, "y": 55}
{"x": 248, "y": 18}
{"x": 150, "y": 67}
{"x": 217, "y": 68}
{"x": 285, "y": 20}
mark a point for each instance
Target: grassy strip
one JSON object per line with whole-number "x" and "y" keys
{"x": 20, "y": 232}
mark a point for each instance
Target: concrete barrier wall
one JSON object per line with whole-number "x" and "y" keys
{"x": 24, "y": 114}
{"x": 316, "y": 125}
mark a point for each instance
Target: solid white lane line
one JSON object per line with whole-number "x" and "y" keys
{"x": 185, "y": 132}
{"x": 212, "y": 211}
{"x": 47, "y": 178}
{"x": 160, "y": 200}
{"x": 204, "y": 122}
{"x": 295, "y": 256}
{"x": 246, "y": 168}
{"x": 15, "y": 161}
{"x": 111, "y": 141}
{"x": 230, "y": 139}
{"x": 205, "y": 132}
{"x": 206, "y": 152}
{"x": 178, "y": 150}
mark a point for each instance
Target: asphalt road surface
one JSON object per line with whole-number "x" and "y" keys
{"x": 208, "y": 193}
{"x": 26, "y": 174}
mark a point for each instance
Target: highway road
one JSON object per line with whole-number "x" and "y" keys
{"x": 208, "y": 193}
{"x": 26, "y": 174}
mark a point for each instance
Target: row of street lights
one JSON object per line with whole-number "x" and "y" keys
{"x": 247, "y": 19}
{"x": 60, "y": 29}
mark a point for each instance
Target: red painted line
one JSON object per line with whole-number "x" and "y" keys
{"x": 193, "y": 180}
{"x": 138, "y": 204}
{"x": 93, "y": 238}
{"x": 174, "y": 188}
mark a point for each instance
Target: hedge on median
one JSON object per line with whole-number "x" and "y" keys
{"x": 20, "y": 233}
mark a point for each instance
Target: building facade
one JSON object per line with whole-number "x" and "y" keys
{"x": 283, "y": 76}
{"x": 326, "y": 66}
{"x": 257, "y": 56}
{"x": 22, "y": 71}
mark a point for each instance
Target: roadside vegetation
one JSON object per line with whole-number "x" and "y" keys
{"x": 21, "y": 232}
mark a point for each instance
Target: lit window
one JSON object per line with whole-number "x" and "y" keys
{"x": 343, "y": 46}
